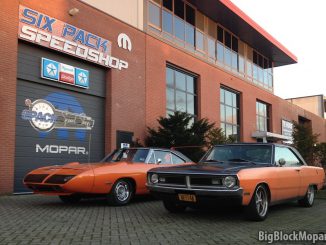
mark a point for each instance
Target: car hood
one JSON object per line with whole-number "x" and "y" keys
{"x": 209, "y": 168}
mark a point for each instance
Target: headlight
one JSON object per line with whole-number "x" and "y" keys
{"x": 154, "y": 178}
{"x": 67, "y": 178}
{"x": 229, "y": 181}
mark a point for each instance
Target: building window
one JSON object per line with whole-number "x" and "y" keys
{"x": 229, "y": 112}
{"x": 262, "y": 116}
{"x": 178, "y": 21}
{"x": 180, "y": 91}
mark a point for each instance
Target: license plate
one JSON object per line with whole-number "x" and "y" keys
{"x": 187, "y": 197}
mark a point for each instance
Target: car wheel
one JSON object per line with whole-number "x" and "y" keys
{"x": 121, "y": 193}
{"x": 70, "y": 199}
{"x": 174, "y": 207}
{"x": 257, "y": 209}
{"x": 309, "y": 198}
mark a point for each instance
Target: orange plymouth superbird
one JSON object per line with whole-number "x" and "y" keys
{"x": 252, "y": 175}
{"x": 119, "y": 176}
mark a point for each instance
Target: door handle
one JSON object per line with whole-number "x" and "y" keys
{"x": 298, "y": 170}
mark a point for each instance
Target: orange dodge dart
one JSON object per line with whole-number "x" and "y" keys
{"x": 119, "y": 176}
{"x": 252, "y": 175}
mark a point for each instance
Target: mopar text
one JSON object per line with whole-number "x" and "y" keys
{"x": 60, "y": 149}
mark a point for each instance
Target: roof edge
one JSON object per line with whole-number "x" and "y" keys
{"x": 235, "y": 9}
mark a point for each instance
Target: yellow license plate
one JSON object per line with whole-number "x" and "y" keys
{"x": 187, "y": 197}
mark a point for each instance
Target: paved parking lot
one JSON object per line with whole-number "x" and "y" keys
{"x": 34, "y": 219}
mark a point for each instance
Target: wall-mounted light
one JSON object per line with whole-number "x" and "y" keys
{"x": 73, "y": 11}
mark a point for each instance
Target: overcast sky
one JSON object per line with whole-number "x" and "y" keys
{"x": 300, "y": 26}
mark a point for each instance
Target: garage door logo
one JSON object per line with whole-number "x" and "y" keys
{"x": 60, "y": 72}
{"x": 44, "y": 117}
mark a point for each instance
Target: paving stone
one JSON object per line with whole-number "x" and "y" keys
{"x": 36, "y": 219}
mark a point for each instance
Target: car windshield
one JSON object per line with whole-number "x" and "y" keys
{"x": 257, "y": 154}
{"x": 127, "y": 155}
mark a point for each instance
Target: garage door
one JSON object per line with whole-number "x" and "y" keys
{"x": 56, "y": 123}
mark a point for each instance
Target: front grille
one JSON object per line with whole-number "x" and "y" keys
{"x": 35, "y": 178}
{"x": 59, "y": 179}
{"x": 173, "y": 179}
{"x": 205, "y": 181}
{"x": 45, "y": 188}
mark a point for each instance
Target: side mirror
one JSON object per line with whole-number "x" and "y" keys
{"x": 281, "y": 162}
{"x": 159, "y": 160}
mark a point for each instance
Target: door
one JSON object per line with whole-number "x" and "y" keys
{"x": 288, "y": 174}
{"x": 56, "y": 123}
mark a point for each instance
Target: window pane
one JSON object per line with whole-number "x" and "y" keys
{"x": 199, "y": 40}
{"x": 211, "y": 48}
{"x": 154, "y": 14}
{"x": 163, "y": 156}
{"x": 241, "y": 64}
{"x": 167, "y": 22}
{"x": 249, "y": 69}
{"x": 180, "y": 80}
{"x": 260, "y": 74}
{"x": 190, "y": 104}
{"x": 220, "y": 52}
{"x": 227, "y": 57}
{"x": 179, "y": 8}
{"x": 190, "y": 84}
{"x": 176, "y": 159}
{"x": 234, "y": 61}
{"x": 223, "y": 127}
{"x": 234, "y": 44}
{"x": 169, "y": 77}
{"x": 190, "y": 35}
{"x": 170, "y": 99}
{"x": 167, "y": 4}
{"x": 180, "y": 101}
{"x": 179, "y": 28}
{"x": 220, "y": 34}
{"x": 228, "y": 130}
{"x": 228, "y": 114}
{"x": 227, "y": 40}
{"x": 190, "y": 15}
{"x": 222, "y": 95}
{"x": 255, "y": 72}
{"x": 228, "y": 98}
{"x": 234, "y": 114}
{"x": 222, "y": 113}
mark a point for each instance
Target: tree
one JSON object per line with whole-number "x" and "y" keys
{"x": 321, "y": 153}
{"x": 191, "y": 138}
{"x": 305, "y": 141}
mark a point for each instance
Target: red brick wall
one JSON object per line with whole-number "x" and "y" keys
{"x": 8, "y": 71}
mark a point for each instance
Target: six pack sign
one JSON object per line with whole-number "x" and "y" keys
{"x": 49, "y": 32}
{"x": 56, "y": 71}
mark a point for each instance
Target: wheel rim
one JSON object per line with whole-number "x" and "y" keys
{"x": 261, "y": 201}
{"x": 122, "y": 191}
{"x": 311, "y": 194}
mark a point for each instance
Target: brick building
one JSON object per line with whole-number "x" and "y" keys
{"x": 80, "y": 77}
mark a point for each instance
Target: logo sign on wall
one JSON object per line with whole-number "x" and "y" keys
{"x": 60, "y": 72}
{"x": 287, "y": 129}
{"x": 49, "y": 32}
{"x": 63, "y": 113}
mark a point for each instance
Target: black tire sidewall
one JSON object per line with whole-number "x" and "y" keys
{"x": 251, "y": 209}
{"x": 113, "y": 199}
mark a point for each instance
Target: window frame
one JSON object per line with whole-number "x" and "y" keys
{"x": 237, "y": 108}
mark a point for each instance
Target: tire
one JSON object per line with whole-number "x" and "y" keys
{"x": 257, "y": 209}
{"x": 309, "y": 198}
{"x": 173, "y": 207}
{"x": 71, "y": 199}
{"x": 121, "y": 193}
